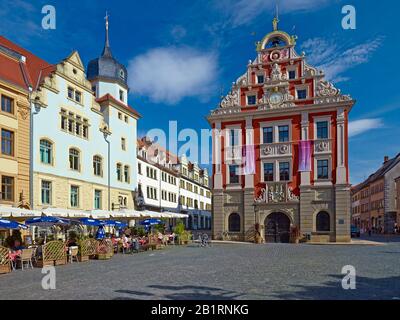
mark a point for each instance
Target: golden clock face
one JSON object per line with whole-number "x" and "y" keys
{"x": 276, "y": 98}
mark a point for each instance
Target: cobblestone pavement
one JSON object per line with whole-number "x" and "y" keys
{"x": 224, "y": 271}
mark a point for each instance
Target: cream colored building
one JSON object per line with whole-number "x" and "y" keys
{"x": 14, "y": 125}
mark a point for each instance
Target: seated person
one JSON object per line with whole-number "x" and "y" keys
{"x": 17, "y": 246}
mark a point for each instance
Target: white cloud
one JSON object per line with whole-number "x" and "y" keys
{"x": 335, "y": 60}
{"x": 171, "y": 74}
{"x": 360, "y": 126}
{"x": 244, "y": 11}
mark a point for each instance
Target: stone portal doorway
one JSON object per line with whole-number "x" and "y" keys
{"x": 277, "y": 228}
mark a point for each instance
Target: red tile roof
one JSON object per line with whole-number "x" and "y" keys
{"x": 109, "y": 98}
{"x": 11, "y": 71}
{"x": 36, "y": 68}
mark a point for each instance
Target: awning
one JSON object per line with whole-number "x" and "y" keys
{"x": 68, "y": 213}
{"x": 174, "y": 215}
{"x": 132, "y": 213}
{"x": 99, "y": 214}
{"x": 7, "y": 212}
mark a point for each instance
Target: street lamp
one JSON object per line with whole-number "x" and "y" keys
{"x": 106, "y": 134}
{"x": 36, "y": 106}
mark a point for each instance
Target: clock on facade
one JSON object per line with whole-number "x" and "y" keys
{"x": 276, "y": 98}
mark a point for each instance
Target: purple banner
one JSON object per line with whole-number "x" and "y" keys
{"x": 305, "y": 156}
{"x": 249, "y": 166}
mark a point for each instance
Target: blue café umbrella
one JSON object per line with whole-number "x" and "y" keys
{"x": 115, "y": 224}
{"x": 12, "y": 225}
{"x": 151, "y": 222}
{"x": 91, "y": 222}
{"x": 46, "y": 222}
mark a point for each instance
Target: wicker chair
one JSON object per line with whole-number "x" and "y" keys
{"x": 73, "y": 254}
{"x": 26, "y": 258}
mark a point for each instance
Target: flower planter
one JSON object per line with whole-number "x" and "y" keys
{"x": 5, "y": 268}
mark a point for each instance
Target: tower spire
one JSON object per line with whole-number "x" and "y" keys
{"x": 107, "y": 49}
{"x": 276, "y": 21}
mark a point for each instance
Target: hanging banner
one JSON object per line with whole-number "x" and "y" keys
{"x": 305, "y": 156}
{"x": 249, "y": 164}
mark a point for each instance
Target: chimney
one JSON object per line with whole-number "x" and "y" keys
{"x": 386, "y": 159}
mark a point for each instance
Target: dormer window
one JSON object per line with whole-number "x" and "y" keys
{"x": 122, "y": 74}
{"x": 251, "y": 100}
{"x": 74, "y": 95}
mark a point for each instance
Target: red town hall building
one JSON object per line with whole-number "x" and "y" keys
{"x": 280, "y": 151}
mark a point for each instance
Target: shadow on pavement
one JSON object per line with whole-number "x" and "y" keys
{"x": 180, "y": 293}
{"x": 366, "y": 289}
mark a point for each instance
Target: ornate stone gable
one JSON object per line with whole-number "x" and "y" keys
{"x": 284, "y": 74}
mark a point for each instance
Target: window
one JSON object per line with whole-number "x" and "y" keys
{"x": 292, "y": 74}
{"x": 7, "y": 104}
{"x": 234, "y": 137}
{"x": 85, "y": 127}
{"x": 74, "y": 200}
{"x": 63, "y": 119}
{"x": 119, "y": 115}
{"x": 71, "y": 123}
{"x": 78, "y": 96}
{"x": 46, "y": 151}
{"x": 7, "y": 142}
{"x": 7, "y": 188}
{"x": 260, "y": 79}
{"x": 126, "y": 119}
{"x": 119, "y": 172}
{"x": 46, "y": 192}
{"x": 74, "y": 159}
{"x": 140, "y": 168}
{"x": 323, "y": 169}
{"x": 121, "y": 95}
{"x": 283, "y": 133}
{"x": 302, "y": 94}
{"x": 70, "y": 93}
{"x": 284, "y": 171}
{"x": 268, "y": 135}
{"x": 323, "y": 222}
{"x": 97, "y": 166}
{"x": 322, "y": 130}
{"x": 74, "y": 95}
{"x": 233, "y": 174}
{"x": 234, "y": 222}
{"x": 268, "y": 172}
{"x": 126, "y": 174}
{"x": 251, "y": 100}
{"x": 123, "y": 144}
{"x": 97, "y": 199}
{"x": 151, "y": 193}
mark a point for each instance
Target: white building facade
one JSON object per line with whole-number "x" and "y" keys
{"x": 83, "y": 136}
{"x": 169, "y": 183}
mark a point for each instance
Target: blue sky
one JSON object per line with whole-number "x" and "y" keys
{"x": 181, "y": 54}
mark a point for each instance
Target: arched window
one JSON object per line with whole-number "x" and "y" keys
{"x": 127, "y": 174}
{"x": 98, "y": 166}
{"x": 323, "y": 222}
{"x": 74, "y": 159}
{"x": 119, "y": 172}
{"x": 234, "y": 222}
{"x": 46, "y": 151}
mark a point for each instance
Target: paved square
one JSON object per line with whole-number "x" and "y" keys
{"x": 224, "y": 271}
